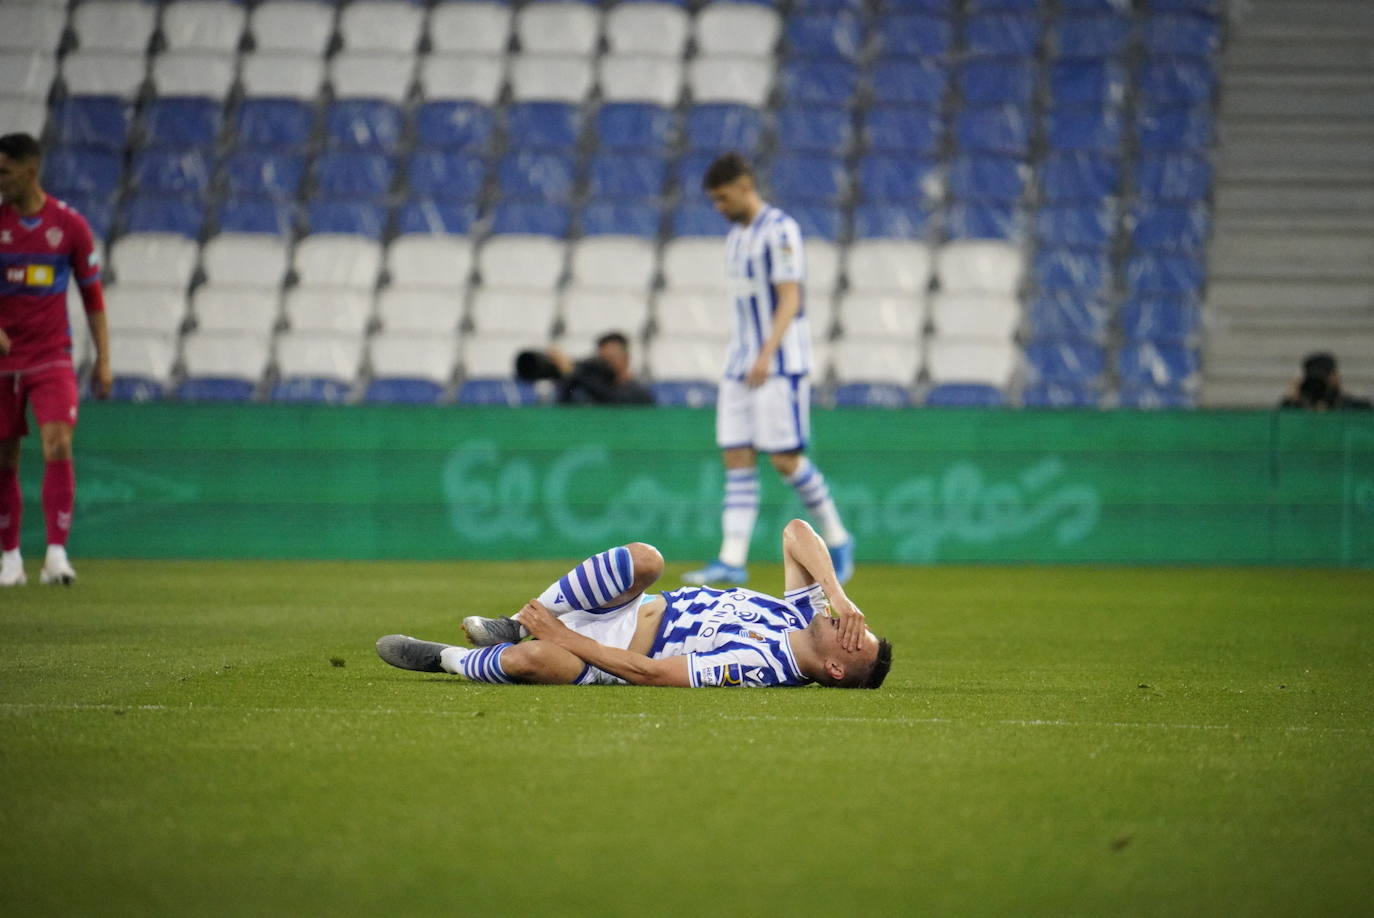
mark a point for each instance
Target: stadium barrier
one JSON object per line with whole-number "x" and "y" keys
{"x": 309, "y": 481}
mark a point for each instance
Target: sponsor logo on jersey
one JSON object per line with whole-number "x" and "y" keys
{"x": 729, "y": 674}
{"x": 54, "y": 236}
{"x": 38, "y": 275}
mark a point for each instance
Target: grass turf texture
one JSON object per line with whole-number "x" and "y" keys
{"x": 221, "y": 739}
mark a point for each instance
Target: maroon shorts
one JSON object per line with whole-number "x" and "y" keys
{"x": 51, "y": 391}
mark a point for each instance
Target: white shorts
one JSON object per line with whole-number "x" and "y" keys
{"x": 774, "y": 418}
{"x": 614, "y": 629}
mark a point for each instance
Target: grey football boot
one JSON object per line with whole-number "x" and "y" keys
{"x": 486, "y": 632}
{"x": 406, "y": 652}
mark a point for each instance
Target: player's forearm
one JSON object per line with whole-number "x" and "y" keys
{"x": 804, "y": 546}
{"x": 789, "y": 305}
{"x": 100, "y": 335}
{"x": 634, "y": 668}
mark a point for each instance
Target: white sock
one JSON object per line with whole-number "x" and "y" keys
{"x": 737, "y": 519}
{"x": 810, "y": 486}
{"x": 451, "y": 659}
{"x": 57, "y": 554}
{"x": 11, "y": 558}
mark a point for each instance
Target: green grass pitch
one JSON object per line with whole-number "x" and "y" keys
{"x": 221, "y": 739}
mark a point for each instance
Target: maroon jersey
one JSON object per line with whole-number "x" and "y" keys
{"x": 39, "y": 257}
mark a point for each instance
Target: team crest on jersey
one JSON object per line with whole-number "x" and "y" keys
{"x": 54, "y": 236}
{"x": 756, "y": 636}
{"x": 6, "y": 237}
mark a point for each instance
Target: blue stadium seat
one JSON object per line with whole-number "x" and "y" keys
{"x": 1175, "y": 275}
{"x": 542, "y": 124}
{"x": 993, "y": 129}
{"x": 818, "y": 81}
{"x": 688, "y": 172}
{"x": 908, "y": 81}
{"x": 423, "y": 216}
{"x": 1173, "y": 177}
{"x": 536, "y": 175}
{"x": 815, "y": 129}
{"x": 626, "y": 175}
{"x": 872, "y": 395}
{"x": 460, "y": 126}
{"x": 263, "y": 172}
{"x": 445, "y": 174}
{"x": 399, "y": 391}
{"x": 834, "y": 34}
{"x": 722, "y": 126}
{"x": 965, "y": 395}
{"x": 1160, "y": 318}
{"x": 355, "y": 217}
{"x": 620, "y": 218}
{"x": 273, "y": 123}
{"x": 215, "y": 389}
{"x": 92, "y": 121}
{"x": 1175, "y": 128}
{"x": 1087, "y": 81}
{"x": 894, "y": 179}
{"x": 1205, "y": 7}
{"x": 697, "y": 219}
{"x": 996, "y": 81}
{"x": 157, "y": 213}
{"x": 1156, "y": 363}
{"x": 136, "y": 389}
{"x": 891, "y": 221}
{"x": 508, "y": 392}
{"x": 310, "y": 390}
{"x": 1171, "y": 33}
{"x": 684, "y": 393}
{"x": 816, "y": 221}
{"x": 925, "y": 7}
{"x": 269, "y": 215}
{"x": 1047, "y": 394}
{"x": 1067, "y": 314}
{"x": 902, "y": 130}
{"x": 1066, "y": 360}
{"x": 1091, "y": 35}
{"x": 828, "y": 6}
{"x": 1091, "y": 130}
{"x": 985, "y": 220}
{"x": 806, "y": 178}
{"x": 97, "y": 207}
{"x": 1078, "y": 177}
{"x": 1083, "y": 270}
{"x": 987, "y": 178}
{"x": 82, "y": 169}
{"x": 1005, "y": 35}
{"x": 1169, "y": 226}
{"x": 537, "y": 219}
{"x": 181, "y": 121}
{"x": 912, "y": 35}
{"x": 348, "y": 174}
{"x": 1155, "y": 397}
{"x": 1171, "y": 81}
{"x": 633, "y": 126}
{"x": 363, "y": 124}
{"x": 171, "y": 171}
{"x": 1085, "y": 225}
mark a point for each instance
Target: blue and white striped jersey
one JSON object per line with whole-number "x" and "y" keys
{"x": 736, "y": 637}
{"x": 757, "y": 257}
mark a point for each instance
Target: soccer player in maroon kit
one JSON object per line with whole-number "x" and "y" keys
{"x": 44, "y": 245}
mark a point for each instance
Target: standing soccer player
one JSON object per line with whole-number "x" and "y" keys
{"x": 765, "y": 395}
{"x": 44, "y": 245}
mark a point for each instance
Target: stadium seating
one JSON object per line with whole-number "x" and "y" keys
{"x": 592, "y": 311}
{"x": 115, "y": 25}
{"x": 409, "y": 368}
{"x": 316, "y": 367}
{"x": 235, "y": 309}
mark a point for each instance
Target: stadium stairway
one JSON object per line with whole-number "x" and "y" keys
{"x": 1292, "y": 252}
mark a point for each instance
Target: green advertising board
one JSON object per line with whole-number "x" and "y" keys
{"x": 920, "y": 486}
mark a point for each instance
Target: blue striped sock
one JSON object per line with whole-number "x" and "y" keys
{"x": 811, "y": 487}
{"x": 593, "y": 584}
{"x": 484, "y": 665}
{"x": 738, "y": 515}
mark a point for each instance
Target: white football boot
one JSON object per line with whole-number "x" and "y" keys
{"x": 56, "y": 568}
{"x": 12, "y": 569}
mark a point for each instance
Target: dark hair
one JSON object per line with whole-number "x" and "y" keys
{"x": 21, "y": 147}
{"x": 881, "y": 665}
{"x": 1319, "y": 365}
{"x": 614, "y": 337}
{"x": 725, "y": 169}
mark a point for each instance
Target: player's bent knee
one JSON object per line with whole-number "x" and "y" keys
{"x": 540, "y": 662}
{"x": 648, "y": 563}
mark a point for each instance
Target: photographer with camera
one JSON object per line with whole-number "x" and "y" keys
{"x": 1319, "y": 389}
{"x": 604, "y": 379}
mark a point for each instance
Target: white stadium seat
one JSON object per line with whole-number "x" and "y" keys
{"x": 415, "y": 310}
{"x": 695, "y": 263}
{"x": 858, "y": 360}
{"x": 228, "y": 355}
{"x": 282, "y": 74}
{"x": 430, "y": 261}
{"x": 245, "y": 260}
{"x": 381, "y": 25}
{"x": 614, "y": 262}
{"x": 338, "y": 260}
{"x": 145, "y": 354}
{"x": 738, "y": 80}
{"x": 558, "y": 27}
{"x": 194, "y": 73}
{"x": 737, "y": 28}
{"x": 501, "y": 312}
{"x": 328, "y": 309}
{"x": 888, "y": 264}
{"x": 975, "y": 315}
{"x": 493, "y": 356}
{"x": 372, "y": 75}
{"x": 883, "y": 317}
{"x": 312, "y": 355}
{"x": 641, "y": 78}
{"x": 115, "y": 25}
{"x": 550, "y": 78}
{"x": 978, "y": 266}
{"x": 236, "y": 309}
{"x": 470, "y": 27}
{"x": 104, "y": 73}
{"x": 648, "y": 28}
{"x": 292, "y": 25}
{"x": 822, "y": 267}
{"x": 521, "y": 261}
{"x": 31, "y": 26}
{"x": 154, "y": 259}
{"x": 412, "y": 356}
{"x": 670, "y": 360}
{"x": 592, "y": 311}
{"x": 28, "y": 74}
{"x": 971, "y": 360}
{"x": 463, "y": 77}
{"x": 135, "y": 307}
{"x": 206, "y": 25}
{"x": 18, "y": 113}
{"x": 688, "y": 315}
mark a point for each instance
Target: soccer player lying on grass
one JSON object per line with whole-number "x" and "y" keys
{"x": 597, "y": 625}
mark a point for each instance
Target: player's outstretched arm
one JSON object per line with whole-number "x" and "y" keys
{"x": 805, "y": 561}
{"x": 634, "y": 668}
